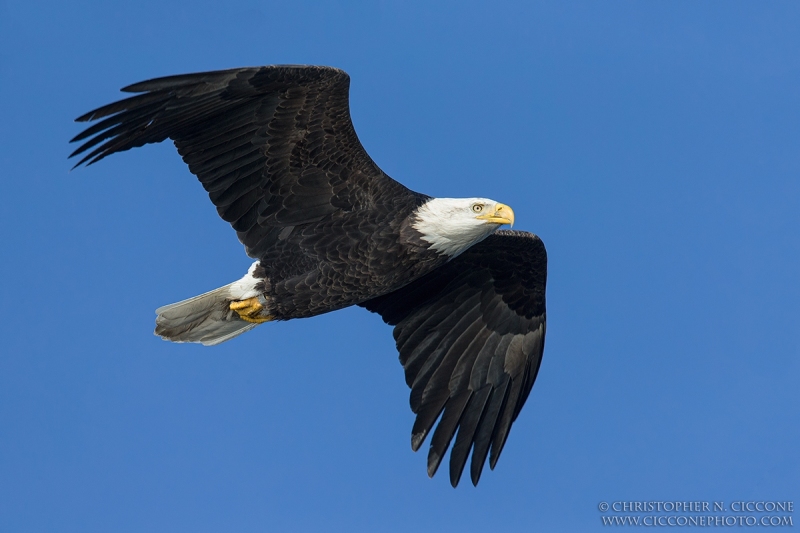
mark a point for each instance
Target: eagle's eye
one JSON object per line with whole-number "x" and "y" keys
{"x": 477, "y": 208}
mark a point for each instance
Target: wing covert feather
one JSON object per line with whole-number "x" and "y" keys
{"x": 273, "y": 146}
{"x": 471, "y": 338}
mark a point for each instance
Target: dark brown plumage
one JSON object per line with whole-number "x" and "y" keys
{"x": 471, "y": 338}
{"x": 276, "y": 151}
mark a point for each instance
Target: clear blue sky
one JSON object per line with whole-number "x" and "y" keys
{"x": 654, "y": 146}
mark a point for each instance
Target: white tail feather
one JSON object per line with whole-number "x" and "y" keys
{"x": 206, "y": 318}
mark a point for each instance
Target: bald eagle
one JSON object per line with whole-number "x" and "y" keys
{"x": 276, "y": 151}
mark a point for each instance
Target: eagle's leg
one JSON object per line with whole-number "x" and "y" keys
{"x": 250, "y": 310}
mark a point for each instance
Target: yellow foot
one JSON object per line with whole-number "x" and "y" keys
{"x": 250, "y": 310}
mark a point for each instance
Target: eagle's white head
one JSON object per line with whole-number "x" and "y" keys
{"x": 451, "y": 225}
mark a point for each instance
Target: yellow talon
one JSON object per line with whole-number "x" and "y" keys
{"x": 250, "y": 310}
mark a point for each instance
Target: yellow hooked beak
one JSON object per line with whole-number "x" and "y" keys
{"x": 502, "y": 215}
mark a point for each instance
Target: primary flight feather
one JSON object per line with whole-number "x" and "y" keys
{"x": 276, "y": 150}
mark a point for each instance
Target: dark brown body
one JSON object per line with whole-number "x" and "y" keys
{"x": 276, "y": 151}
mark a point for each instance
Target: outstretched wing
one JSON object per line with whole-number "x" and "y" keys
{"x": 471, "y": 338}
{"x": 273, "y": 146}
